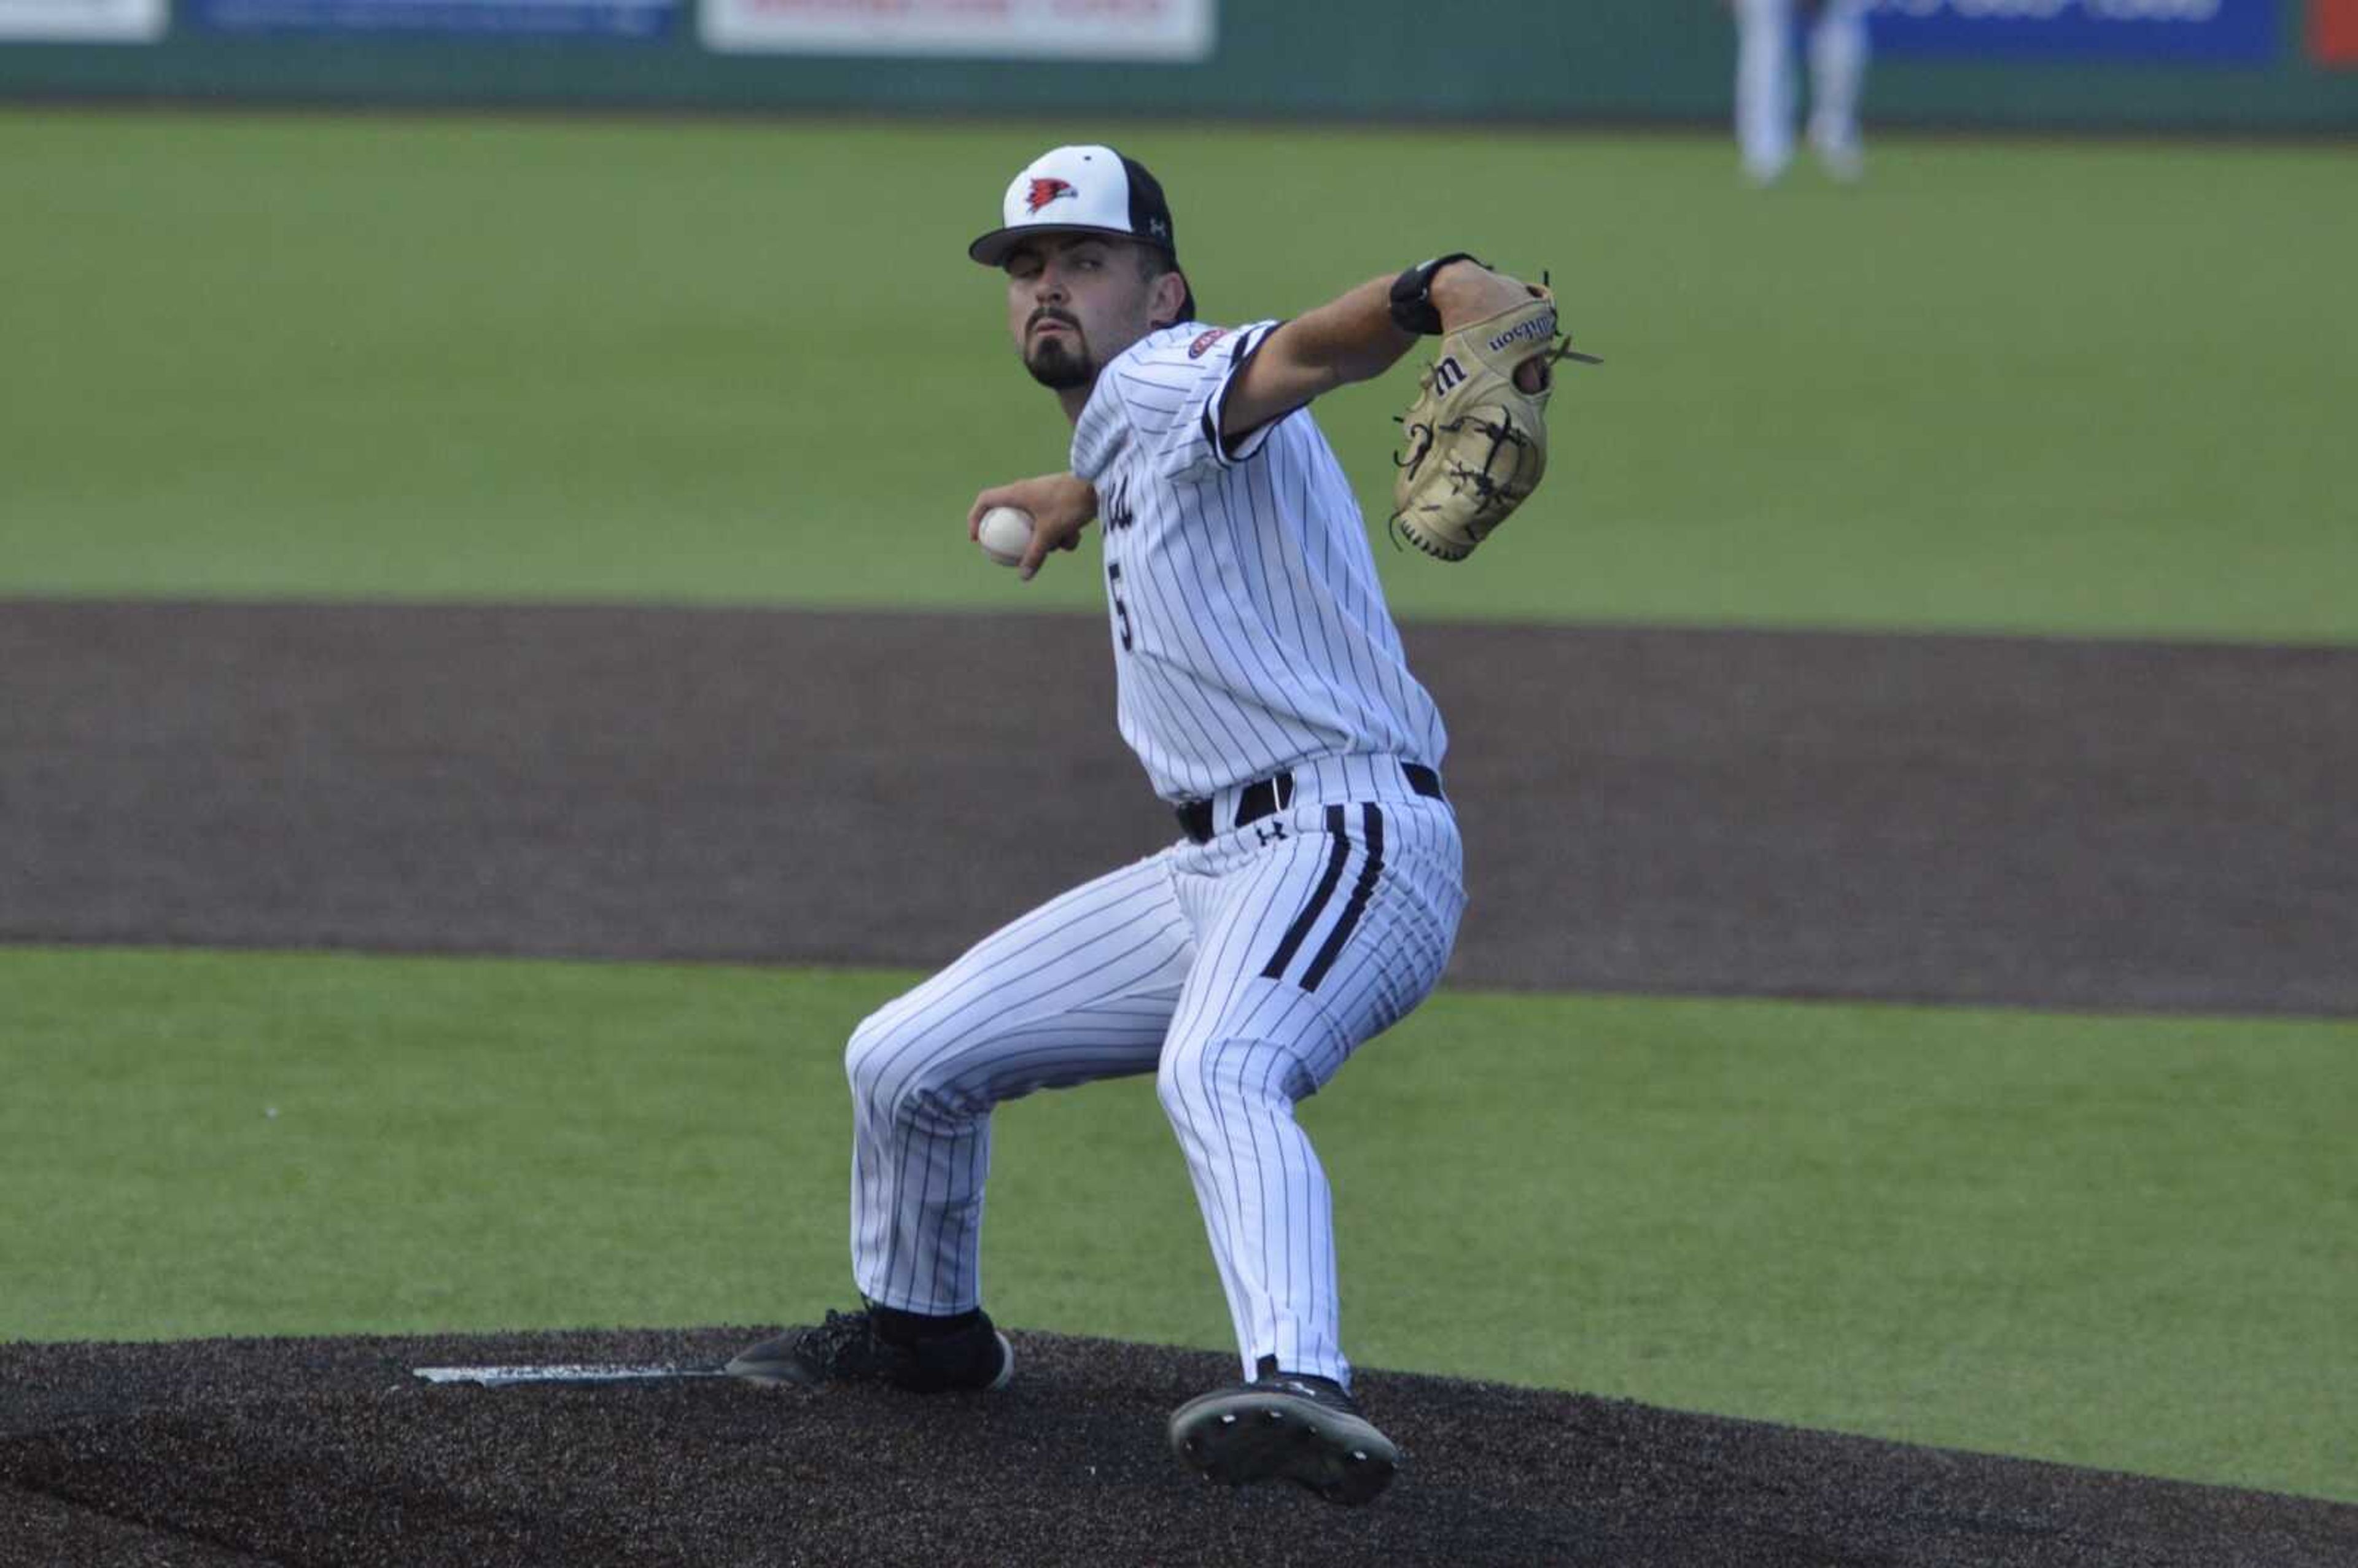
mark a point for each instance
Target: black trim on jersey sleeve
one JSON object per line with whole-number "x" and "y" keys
{"x": 1230, "y": 450}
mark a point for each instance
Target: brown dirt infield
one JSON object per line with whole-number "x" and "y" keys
{"x": 1975, "y": 820}
{"x": 1936, "y": 819}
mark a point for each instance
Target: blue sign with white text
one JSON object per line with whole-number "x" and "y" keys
{"x": 2223, "y": 32}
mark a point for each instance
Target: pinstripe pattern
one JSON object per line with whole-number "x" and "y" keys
{"x": 1372, "y": 866}
{"x": 1338, "y": 848}
{"x": 1250, "y": 626}
{"x": 1159, "y": 967}
{"x": 1251, "y": 639}
{"x": 1080, "y": 989}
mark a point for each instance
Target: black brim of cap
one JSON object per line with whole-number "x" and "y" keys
{"x": 992, "y": 248}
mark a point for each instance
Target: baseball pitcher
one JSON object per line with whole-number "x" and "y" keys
{"x": 1314, "y": 892}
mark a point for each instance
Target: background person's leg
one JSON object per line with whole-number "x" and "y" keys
{"x": 1838, "y": 53}
{"x": 1764, "y": 87}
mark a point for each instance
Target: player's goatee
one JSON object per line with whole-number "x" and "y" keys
{"x": 1055, "y": 365}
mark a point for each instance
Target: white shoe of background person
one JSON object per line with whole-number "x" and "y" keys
{"x": 1762, "y": 173}
{"x": 1841, "y": 156}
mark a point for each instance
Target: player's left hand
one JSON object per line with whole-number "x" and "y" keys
{"x": 1465, "y": 292}
{"x": 1061, "y": 505}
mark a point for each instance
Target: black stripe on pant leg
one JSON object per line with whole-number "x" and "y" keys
{"x": 1299, "y": 930}
{"x": 1373, "y": 821}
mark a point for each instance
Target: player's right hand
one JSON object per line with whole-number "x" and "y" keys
{"x": 1061, "y": 505}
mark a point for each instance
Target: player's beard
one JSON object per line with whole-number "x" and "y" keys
{"x": 1060, "y": 362}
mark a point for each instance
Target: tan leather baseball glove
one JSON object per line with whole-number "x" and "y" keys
{"x": 1476, "y": 441}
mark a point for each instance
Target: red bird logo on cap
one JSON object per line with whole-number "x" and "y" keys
{"x": 1046, "y": 191}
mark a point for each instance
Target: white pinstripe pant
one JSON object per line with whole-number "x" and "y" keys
{"x": 1242, "y": 972}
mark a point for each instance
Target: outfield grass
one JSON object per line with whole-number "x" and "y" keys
{"x": 2052, "y": 388}
{"x": 2119, "y": 1242}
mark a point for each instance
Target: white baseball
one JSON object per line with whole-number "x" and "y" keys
{"x": 1004, "y": 534}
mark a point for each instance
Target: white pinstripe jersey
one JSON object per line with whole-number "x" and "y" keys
{"x": 1250, "y": 629}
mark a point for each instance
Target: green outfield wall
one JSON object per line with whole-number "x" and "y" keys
{"x": 2202, "y": 65}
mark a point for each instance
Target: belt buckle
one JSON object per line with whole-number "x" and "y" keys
{"x": 1264, "y": 797}
{"x": 1199, "y": 820}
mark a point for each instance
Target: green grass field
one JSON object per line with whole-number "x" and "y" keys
{"x": 2046, "y": 388}
{"x": 2058, "y": 389}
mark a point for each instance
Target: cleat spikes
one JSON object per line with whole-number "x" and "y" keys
{"x": 1289, "y": 1428}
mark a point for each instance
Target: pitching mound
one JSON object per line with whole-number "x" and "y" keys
{"x": 329, "y": 1452}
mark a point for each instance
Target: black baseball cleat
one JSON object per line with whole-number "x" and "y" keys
{"x": 850, "y": 1348}
{"x": 1286, "y": 1426}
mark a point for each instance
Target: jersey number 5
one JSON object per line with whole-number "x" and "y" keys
{"x": 1121, "y": 610}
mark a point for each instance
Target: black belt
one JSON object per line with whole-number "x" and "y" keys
{"x": 1263, "y": 797}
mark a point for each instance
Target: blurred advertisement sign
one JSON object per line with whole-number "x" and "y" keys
{"x": 84, "y": 21}
{"x": 1000, "y": 29}
{"x": 505, "y": 18}
{"x": 2226, "y": 32}
{"x": 2334, "y": 32}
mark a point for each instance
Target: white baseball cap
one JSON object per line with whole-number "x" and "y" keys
{"x": 1086, "y": 189}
